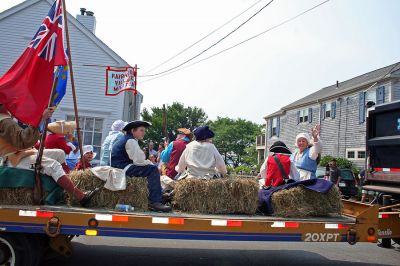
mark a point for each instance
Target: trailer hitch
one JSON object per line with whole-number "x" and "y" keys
{"x": 352, "y": 236}
{"x": 53, "y": 227}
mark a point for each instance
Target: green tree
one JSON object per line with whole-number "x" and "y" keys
{"x": 177, "y": 116}
{"x": 235, "y": 140}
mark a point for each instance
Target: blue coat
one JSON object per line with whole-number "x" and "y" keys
{"x": 120, "y": 158}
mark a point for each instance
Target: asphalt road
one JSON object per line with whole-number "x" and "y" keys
{"x": 149, "y": 252}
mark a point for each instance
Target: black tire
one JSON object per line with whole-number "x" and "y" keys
{"x": 17, "y": 247}
{"x": 37, "y": 244}
{"x": 396, "y": 240}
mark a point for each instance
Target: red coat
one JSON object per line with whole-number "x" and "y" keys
{"x": 274, "y": 175}
{"x": 54, "y": 141}
{"x": 178, "y": 148}
{"x": 79, "y": 165}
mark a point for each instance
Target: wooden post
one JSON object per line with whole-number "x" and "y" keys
{"x": 78, "y": 129}
{"x": 37, "y": 189}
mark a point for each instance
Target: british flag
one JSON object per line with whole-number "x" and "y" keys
{"x": 26, "y": 88}
{"x": 48, "y": 40}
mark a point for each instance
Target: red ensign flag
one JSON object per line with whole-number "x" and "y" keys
{"x": 26, "y": 87}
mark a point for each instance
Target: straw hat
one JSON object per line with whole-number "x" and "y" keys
{"x": 62, "y": 127}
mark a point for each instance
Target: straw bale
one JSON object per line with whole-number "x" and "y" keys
{"x": 217, "y": 196}
{"x": 135, "y": 194}
{"x": 302, "y": 202}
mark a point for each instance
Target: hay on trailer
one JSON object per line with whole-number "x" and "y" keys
{"x": 217, "y": 196}
{"x": 135, "y": 194}
{"x": 302, "y": 202}
{"x": 16, "y": 196}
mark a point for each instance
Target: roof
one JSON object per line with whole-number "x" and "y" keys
{"x": 345, "y": 87}
{"x": 72, "y": 20}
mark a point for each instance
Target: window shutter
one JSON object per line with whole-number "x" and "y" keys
{"x": 310, "y": 115}
{"x": 323, "y": 111}
{"x": 333, "y": 110}
{"x": 361, "y": 107}
{"x": 278, "y": 125}
{"x": 270, "y": 128}
{"x": 380, "y": 95}
{"x": 298, "y": 117}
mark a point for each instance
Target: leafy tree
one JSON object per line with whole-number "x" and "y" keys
{"x": 177, "y": 116}
{"x": 340, "y": 162}
{"x": 235, "y": 139}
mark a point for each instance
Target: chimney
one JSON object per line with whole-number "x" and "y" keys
{"x": 87, "y": 19}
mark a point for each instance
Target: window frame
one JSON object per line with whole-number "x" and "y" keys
{"x": 274, "y": 126}
{"x": 93, "y": 131}
{"x": 304, "y": 113}
{"x": 328, "y": 110}
{"x": 356, "y": 152}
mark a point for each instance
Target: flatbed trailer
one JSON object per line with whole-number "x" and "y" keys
{"x": 31, "y": 227}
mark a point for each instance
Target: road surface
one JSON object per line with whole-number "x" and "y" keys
{"x": 120, "y": 252}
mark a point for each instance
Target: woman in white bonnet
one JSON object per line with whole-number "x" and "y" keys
{"x": 113, "y": 136}
{"x": 305, "y": 157}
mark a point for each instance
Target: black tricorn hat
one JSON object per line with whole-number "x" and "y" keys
{"x": 279, "y": 147}
{"x": 136, "y": 124}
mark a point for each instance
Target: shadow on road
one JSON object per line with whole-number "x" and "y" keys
{"x": 120, "y": 256}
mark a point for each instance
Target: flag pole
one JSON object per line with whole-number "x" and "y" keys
{"x": 37, "y": 189}
{"x": 78, "y": 129}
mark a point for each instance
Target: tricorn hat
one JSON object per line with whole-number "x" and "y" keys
{"x": 279, "y": 147}
{"x": 136, "y": 124}
{"x": 203, "y": 133}
{"x": 62, "y": 127}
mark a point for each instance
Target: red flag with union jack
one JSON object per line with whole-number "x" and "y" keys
{"x": 25, "y": 89}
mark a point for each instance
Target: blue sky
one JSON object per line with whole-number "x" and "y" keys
{"x": 337, "y": 41}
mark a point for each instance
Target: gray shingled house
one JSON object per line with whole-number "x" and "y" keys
{"x": 341, "y": 111}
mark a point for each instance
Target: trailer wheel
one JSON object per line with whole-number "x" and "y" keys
{"x": 396, "y": 240}
{"x": 14, "y": 250}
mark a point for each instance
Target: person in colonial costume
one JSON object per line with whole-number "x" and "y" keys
{"x": 277, "y": 168}
{"x": 127, "y": 154}
{"x": 88, "y": 156}
{"x": 113, "y": 136}
{"x": 16, "y": 148}
{"x": 174, "y": 151}
{"x": 308, "y": 151}
{"x": 201, "y": 158}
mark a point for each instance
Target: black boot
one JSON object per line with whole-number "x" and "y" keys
{"x": 159, "y": 207}
{"x": 88, "y": 196}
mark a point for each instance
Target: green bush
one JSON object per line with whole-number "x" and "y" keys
{"x": 341, "y": 163}
{"x": 246, "y": 169}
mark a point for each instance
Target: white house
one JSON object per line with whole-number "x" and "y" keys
{"x": 97, "y": 112}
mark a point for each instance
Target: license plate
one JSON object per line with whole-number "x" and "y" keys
{"x": 342, "y": 184}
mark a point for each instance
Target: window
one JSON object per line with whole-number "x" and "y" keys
{"x": 356, "y": 154}
{"x": 91, "y": 131}
{"x": 274, "y": 126}
{"x": 351, "y": 154}
{"x": 304, "y": 115}
{"x": 361, "y": 155}
{"x": 328, "y": 110}
{"x": 370, "y": 96}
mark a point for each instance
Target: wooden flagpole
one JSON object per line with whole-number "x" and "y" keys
{"x": 78, "y": 129}
{"x": 37, "y": 189}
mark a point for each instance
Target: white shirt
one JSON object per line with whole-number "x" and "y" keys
{"x": 135, "y": 153}
{"x": 201, "y": 159}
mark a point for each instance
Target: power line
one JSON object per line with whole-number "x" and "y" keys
{"x": 242, "y": 42}
{"x": 205, "y": 50}
{"x": 206, "y": 36}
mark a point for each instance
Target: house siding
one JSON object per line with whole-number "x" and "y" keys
{"x": 396, "y": 90}
{"x": 90, "y": 82}
{"x": 337, "y": 134}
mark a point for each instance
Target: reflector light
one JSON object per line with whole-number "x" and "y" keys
{"x": 90, "y": 232}
{"x": 383, "y": 215}
{"x": 285, "y": 225}
{"x": 39, "y": 214}
{"x": 335, "y": 226}
{"x": 228, "y": 223}
{"x": 164, "y": 220}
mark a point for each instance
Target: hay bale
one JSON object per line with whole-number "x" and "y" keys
{"x": 217, "y": 196}
{"x": 16, "y": 196}
{"x": 135, "y": 194}
{"x": 302, "y": 202}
